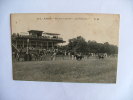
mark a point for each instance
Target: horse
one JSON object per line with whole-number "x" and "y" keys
{"x": 100, "y": 56}
{"x": 79, "y": 56}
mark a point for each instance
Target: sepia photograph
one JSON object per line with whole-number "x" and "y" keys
{"x": 65, "y": 47}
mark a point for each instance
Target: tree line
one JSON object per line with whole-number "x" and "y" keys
{"x": 79, "y": 44}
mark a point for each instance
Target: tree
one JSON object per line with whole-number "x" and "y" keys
{"x": 78, "y": 45}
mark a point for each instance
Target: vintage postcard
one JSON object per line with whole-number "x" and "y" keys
{"x": 65, "y": 47}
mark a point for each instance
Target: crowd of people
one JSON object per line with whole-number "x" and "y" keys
{"x": 52, "y": 54}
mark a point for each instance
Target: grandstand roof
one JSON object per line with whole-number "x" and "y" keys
{"x": 51, "y": 33}
{"x": 35, "y": 31}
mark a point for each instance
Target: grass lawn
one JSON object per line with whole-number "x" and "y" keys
{"x": 87, "y": 70}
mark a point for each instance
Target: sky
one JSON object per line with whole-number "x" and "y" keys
{"x": 99, "y": 27}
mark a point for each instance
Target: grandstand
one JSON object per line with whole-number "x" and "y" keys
{"x": 34, "y": 42}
